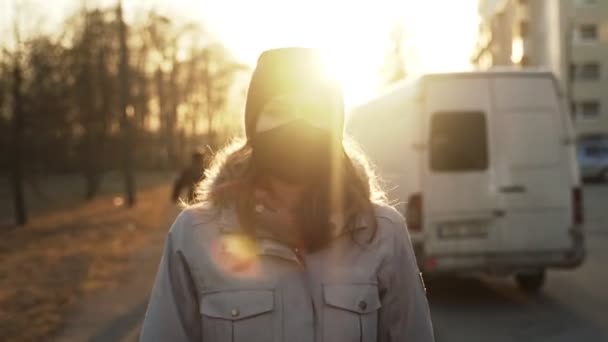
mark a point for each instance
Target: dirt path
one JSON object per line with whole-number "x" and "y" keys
{"x": 116, "y": 314}
{"x": 57, "y": 268}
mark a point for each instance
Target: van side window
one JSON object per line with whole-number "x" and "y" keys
{"x": 458, "y": 141}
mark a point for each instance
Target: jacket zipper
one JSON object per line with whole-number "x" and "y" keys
{"x": 302, "y": 261}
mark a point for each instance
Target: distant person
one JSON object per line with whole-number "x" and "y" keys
{"x": 290, "y": 240}
{"x": 190, "y": 177}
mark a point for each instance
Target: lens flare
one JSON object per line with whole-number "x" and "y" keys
{"x": 236, "y": 255}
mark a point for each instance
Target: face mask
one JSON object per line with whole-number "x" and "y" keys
{"x": 297, "y": 153}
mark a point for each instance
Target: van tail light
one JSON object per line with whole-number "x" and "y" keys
{"x": 577, "y": 206}
{"x": 413, "y": 213}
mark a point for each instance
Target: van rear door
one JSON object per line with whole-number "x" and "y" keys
{"x": 462, "y": 209}
{"x": 533, "y": 171}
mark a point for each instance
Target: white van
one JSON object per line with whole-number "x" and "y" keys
{"x": 483, "y": 166}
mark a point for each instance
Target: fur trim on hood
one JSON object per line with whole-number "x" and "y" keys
{"x": 229, "y": 165}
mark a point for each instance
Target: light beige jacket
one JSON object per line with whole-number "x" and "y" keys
{"x": 215, "y": 284}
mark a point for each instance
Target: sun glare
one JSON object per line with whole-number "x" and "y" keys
{"x": 353, "y": 72}
{"x": 354, "y": 36}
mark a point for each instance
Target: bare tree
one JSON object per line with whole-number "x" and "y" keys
{"x": 19, "y": 129}
{"x": 5, "y": 89}
{"x": 126, "y": 110}
{"x": 141, "y": 93}
{"x": 87, "y": 89}
{"x": 217, "y": 69}
{"x": 91, "y": 92}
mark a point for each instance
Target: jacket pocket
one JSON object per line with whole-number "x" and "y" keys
{"x": 350, "y": 312}
{"x": 237, "y": 316}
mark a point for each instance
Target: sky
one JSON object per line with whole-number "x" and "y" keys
{"x": 354, "y": 35}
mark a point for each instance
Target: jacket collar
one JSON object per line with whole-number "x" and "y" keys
{"x": 270, "y": 246}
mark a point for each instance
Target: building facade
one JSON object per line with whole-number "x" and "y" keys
{"x": 569, "y": 37}
{"x": 589, "y": 66}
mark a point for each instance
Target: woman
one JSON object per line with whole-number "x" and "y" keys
{"x": 289, "y": 240}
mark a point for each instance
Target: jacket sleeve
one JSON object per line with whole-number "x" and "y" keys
{"x": 404, "y": 314}
{"x": 172, "y": 313}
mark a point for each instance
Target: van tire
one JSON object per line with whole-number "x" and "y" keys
{"x": 531, "y": 282}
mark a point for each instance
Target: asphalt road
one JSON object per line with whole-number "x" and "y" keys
{"x": 573, "y": 305}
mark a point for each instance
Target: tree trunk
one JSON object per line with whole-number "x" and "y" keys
{"x": 93, "y": 179}
{"x": 127, "y": 127}
{"x": 172, "y": 133}
{"x": 142, "y": 106}
{"x": 162, "y": 104}
{"x": 90, "y": 74}
{"x": 96, "y": 138}
{"x": 209, "y": 98}
{"x": 193, "y": 128}
{"x": 17, "y": 162}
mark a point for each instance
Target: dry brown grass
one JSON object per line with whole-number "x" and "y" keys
{"x": 62, "y": 255}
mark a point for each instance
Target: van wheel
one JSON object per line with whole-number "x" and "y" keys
{"x": 531, "y": 282}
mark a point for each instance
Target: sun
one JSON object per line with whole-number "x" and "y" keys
{"x": 357, "y": 73}
{"x": 353, "y": 35}
{"x": 444, "y": 33}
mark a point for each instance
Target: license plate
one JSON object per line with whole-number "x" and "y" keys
{"x": 464, "y": 229}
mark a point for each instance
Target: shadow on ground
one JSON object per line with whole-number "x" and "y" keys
{"x": 471, "y": 309}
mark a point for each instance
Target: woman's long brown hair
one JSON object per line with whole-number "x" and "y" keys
{"x": 352, "y": 189}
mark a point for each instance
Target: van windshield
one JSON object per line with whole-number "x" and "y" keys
{"x": 458, "y": 141}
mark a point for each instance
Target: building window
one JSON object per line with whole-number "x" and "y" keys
{"x": 588, "y": 110}
{"x": 586, "y": 3}
{"x": 588, "y": 71}
{"x": 596, "y": 151}
{"x": 587, "y": 32}
{"x": 573, "y": 110}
